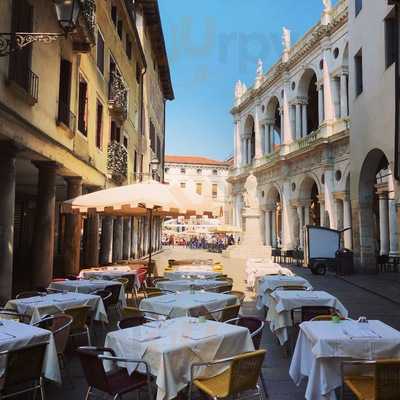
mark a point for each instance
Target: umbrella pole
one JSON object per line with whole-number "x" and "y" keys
{"x": 150, "y": 236}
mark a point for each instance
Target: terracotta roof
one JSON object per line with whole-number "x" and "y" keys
{"x": 193, "y": 160}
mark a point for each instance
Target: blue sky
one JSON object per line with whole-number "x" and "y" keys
{"x": 211, "y": 44}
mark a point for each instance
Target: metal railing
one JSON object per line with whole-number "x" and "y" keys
{"x": 117, "y": 161}
{"x": 26, "y": 80}
{"x": 65, "y": 116}
{"x": 118, "y": 95}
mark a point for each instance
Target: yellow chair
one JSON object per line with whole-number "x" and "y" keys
{"x": 242, "y": 375}
{"x": 382, "y": 384}
{"x": 327, "y": 317}
{"x": 168, "y": 269}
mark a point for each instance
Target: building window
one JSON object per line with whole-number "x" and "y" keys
{"x": 183, "y": 185}
{"x": 183, "y": 171}
{"x": 120, "y": 28}
{"x": 199, "y": 188}
{"x": 114, "y": 16}
{"x": 215, "y": 172}
{"x": 64, "y": 94}
{"x": 358, "y": 5}
{"x": 99, "y": 125}
{"x": 115, "y": 132}
{"x": 128, "y": 47}
{"x": 125, "y": 141}
{"x": 83, "y": 106}
{"x": 199, "y": 171}
{"x": 391, "y": 40}
{"x": 358, "y": 66}
{"x": 214, "y": 191}
{"x": 100, "y": 51}
{"x": 166, "y": 170}
{"x": 135, "y": 163}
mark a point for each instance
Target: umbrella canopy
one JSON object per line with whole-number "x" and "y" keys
{"x": 225, "y": 229}
{"x": 136, "y": 199}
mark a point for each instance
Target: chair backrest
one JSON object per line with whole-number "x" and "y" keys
{"x": 79, "y": 316}
{"x": 131, "y": 322}
{"x": 224, "y": 288}
{"x": 253, "y": 324}
{"x": 230, "y": 312}
{"x": 23, "y": 365}
{"x": 289, "y": 287}
{"x": 115, "y": 291}
{"x": 27, "y": 294}
{"x": 93, "y": 367}
{"x": 152, "y": 292}
{"x": 240, "y": 295}
{"x": 326, "y": 317}
{"x": 387, "y": 380}
{"x": 128, "y": 312}
{"x": 11, "y": 315}
{"x": 245, "y": 371}
{"x": 105, "y": 296}
{"x": 310, "y": 312}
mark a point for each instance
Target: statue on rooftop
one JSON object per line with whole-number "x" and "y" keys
{"x": 260, "y": 70}
{"x": 286, "y": 39}
{"x": 327, "y": 5}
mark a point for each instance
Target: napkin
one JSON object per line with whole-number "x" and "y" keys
{"x": 359, "y": 331}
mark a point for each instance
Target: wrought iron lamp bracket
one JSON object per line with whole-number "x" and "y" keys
{"x": 12, "y": 42}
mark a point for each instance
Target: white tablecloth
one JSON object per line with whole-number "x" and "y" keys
{"x": 14, "y": 335}
{"x": 37, "y": 307}
{"x": 182, "y": 304}
{"x": 283, "y": 301}
{"x": 110, "y": 273}
{"x": 191, "y": 274}
{"x": 182, "y": 343}
{"x": 257, "y": 267}
{"x": 186, "y": 284}
{"x": 87, "y": 286}
{"x": 269, "y": 283}
{"x": 194, "y": 267}
{"x": 322, "y": 346}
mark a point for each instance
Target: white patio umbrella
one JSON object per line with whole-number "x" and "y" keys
{"x": 146, "y": 198}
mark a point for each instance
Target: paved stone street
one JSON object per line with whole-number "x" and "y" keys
{"x": 280, "y": 387}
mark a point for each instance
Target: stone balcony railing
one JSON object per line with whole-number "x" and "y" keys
{"x": 117, "y": 161}
{"x": 304, "y": 142}
{"x": 84, "y": 37}
{"x": 118, "y": 97}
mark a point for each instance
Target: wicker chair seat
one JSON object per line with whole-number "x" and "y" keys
{"x": 361, "y": 386}
{"x": 217, "y": 386}
{"x": 120, "y": 382}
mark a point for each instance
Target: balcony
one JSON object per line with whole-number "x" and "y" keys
{"x": 65, "y": 117}
{"x": 305, "y": 142}
{"x": 25, "y": 82}
{"x": 117, "y": 161}
{"x": 118, "y": 97}
{"x": 85, "y": 35}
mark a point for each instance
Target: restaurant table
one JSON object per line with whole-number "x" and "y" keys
{"x": 282, "y": 302}
{"x": 258, "y": 267}
{"x": 14, "y": 335}
{"x": 323, "y": 345}
{"x": 170, "y": 347}
{"x": 87, "y": 286}
{"x": 39, "y": 306}
{"x": 187, "y": 303}
{"x": 269, "y": 283}
{"x": 110, "y": 273}
{"x": 187, "y": 284}
{"x": 191, "y": 274}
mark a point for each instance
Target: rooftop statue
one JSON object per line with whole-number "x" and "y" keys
{"x": 260, "y": 70}
{"x": 286, "y": 39}
{"x": 327, "y": 5}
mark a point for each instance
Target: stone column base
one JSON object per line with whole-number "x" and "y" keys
{"x": 246, "y": 251}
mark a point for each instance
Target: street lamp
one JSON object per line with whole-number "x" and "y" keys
{"x": 154, "y": 164}
{"x": 67, "y": 15}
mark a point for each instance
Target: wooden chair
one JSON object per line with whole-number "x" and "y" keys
{"x": 240, "y": 295}
{"x": 227, "y": 313}
{"x": 23, "y": 371}
{"x": 224, "y": 288}
{"x": 383, "y": 384}
{"x": 241, "y": 375}
{"x": 129, "y": 312}
{"x": 132, "y": 322}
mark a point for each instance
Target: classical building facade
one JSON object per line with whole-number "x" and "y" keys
{"x": 292, "y": 133}
{"x": 74, "y": 117}
{"x": 373, "y": 43}
{"x": 203, "y": 176}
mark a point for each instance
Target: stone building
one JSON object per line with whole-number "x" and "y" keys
{"x": 73, "y": 119}
{"x": 292, "y": 133}
{"x": 203, "y": 176}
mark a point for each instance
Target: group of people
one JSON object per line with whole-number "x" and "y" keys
{"x": 217, "y": 242}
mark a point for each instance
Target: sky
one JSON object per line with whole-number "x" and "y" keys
{"x": 211, "y": 44}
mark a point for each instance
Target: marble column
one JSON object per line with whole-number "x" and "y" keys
{"x": 106, "y": 248}
{"x": 236, "y": 144}
{"x": 288, "y": 132}
{"x": 336, "y": 96}
{"x": 118, "y": 236}
{"x": 293, "y": 122}
{"x": 7, "y": 207}
{"x": 267, "y": 227}
{"x": 91, "y": 246}
{"x": 273, "y": 228}
{"x": 43, "y": 238}
{"x": 304, "y": 118}
{"x": 328, "y": 97}
{"x": 393, "y": 229}
{"x": 298, "y": 121}
{"x": 329, "y": 199}
{"x": 347, "y": 223}
{"x": 72, "y": 232}
{"x": 301, "y": 225}
{"x": 322, "y": 212}
{"x": 258, "y": 131}
{"x": 307, "y": 213}
{"x": 127, "y": 238}
{"x": 384, "y": 223}
{"x": 320, "y": 104}
{"x": 344, "y": 103}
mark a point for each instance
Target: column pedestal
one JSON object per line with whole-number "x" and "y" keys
{"x": 72, "y": 233}
{"x": 7, "y": 206}
{"x": 43, "y": 238}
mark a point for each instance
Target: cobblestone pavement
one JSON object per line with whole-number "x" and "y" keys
{"x": 349, "y": 290}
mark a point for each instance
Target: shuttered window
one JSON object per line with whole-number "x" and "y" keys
{"x": 99, "y": 125}
{"x": 100, "y": 52}
{"x": 115, "y": 132}
{"x": 83, "y": 106}
{"x": 64, "y": 96}
{"x": 128, "y": 47}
